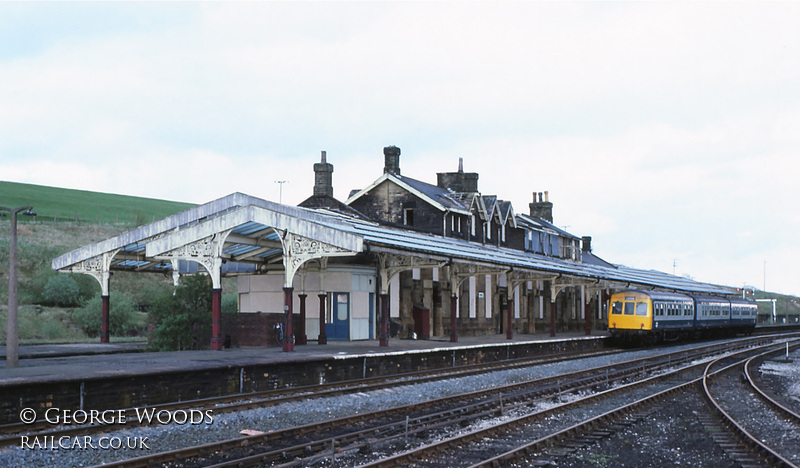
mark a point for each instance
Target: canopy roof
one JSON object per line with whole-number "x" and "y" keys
{"x": 253, "y": 234}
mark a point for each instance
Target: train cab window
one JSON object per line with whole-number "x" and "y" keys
{"x": 629, "y": 308}
{"x": 616, "y": 308}
{"x": 641, "y": 308}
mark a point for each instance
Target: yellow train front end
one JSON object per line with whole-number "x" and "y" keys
{"x": 631, "y": 315}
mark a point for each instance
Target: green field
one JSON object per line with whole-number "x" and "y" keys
{"x": 53, "y": 204}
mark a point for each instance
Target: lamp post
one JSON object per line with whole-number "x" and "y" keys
{"x": 12, "y": 338}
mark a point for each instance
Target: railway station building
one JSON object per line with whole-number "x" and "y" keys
{"x": 399, "y": 259}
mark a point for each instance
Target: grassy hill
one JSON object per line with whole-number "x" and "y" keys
{"x": 65, "y": 220}
{"x": 53, "y": 204}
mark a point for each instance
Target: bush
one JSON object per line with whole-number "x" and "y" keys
{"x": 183, "y": 320}
{"x": 61, "y": 291}
{"x": 122, "y": 316}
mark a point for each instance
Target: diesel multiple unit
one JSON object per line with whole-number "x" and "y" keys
{"x": 660, "y": 316}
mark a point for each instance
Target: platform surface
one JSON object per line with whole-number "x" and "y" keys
{"x": 63, "y": 362}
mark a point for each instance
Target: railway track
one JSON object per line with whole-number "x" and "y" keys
{"x": 547, "y": 449}
{"x": 343, "y": 437}
{"x": 733, "y": 389}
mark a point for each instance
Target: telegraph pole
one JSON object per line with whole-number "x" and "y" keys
{"x": 12, "y": 335}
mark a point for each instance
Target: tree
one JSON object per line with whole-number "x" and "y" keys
{"x": 183, "y": 320}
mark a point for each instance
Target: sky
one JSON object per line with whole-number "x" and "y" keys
{"x": 667, "y": 131}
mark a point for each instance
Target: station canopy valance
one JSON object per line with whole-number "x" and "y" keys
{"x": 247, "y": 234}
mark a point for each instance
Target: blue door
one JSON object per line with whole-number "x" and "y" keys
{"x": 339, "y": 328}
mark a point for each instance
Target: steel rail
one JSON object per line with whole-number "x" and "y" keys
{"x": 11, "y": 433}
{"x": 548, "y": 441}
{"x": 509, "y": 398}
{"x": 242, "y": 401}
{"x": 781, "y": 408}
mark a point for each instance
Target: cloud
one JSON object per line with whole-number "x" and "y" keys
{"x": 664, "y": 130}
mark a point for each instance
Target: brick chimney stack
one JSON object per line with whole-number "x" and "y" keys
{"x": 323, "y": 177}
{"x": 391, "y": 155}
{"x": 541, "y": 206}
{"x": 458, "y": 181}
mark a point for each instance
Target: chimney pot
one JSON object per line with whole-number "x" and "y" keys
{"x": 323, "y": 157}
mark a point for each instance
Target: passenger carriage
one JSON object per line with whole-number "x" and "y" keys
{"x": 651, "y": 316}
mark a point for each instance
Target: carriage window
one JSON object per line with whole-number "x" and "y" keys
{"x": 616, "y": 308}
{"x": 629, "y": 308}
{"x": 641, "y": 308}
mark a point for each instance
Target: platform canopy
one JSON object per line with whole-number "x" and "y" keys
{"x": 241, "y": 234}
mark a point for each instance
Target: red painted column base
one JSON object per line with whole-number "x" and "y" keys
{"x": 453, "y": 319}
{"x": 288, "y": 342}
{"x": 216, "y": 316}
{"x": 510, "y": 320}
{"x": 104, "y": 320}
{"x": 323, "y": 335}
{"x": 384, "y": 340}
{"x": 301, "y": 327}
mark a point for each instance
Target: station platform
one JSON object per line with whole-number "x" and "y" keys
{"x": 124, "y": 375}
{"x": 53, "y": 362}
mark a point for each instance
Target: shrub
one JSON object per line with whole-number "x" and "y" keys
{"x": 122, "y": 316}
{"x": 183, "y": 320}
{"x": 62, "y": 291}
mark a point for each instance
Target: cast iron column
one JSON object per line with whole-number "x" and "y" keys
{"x": 301, "y": 327}
{"x": 384, "y": 320}
{"x": 510, "y": 321}
{"x": 549, "y": 295}
{"x": 104, "y": 319}
{"x": 216, "y": 315}
{"x": 323, "y": 336}
{"x": 587, "y": 312}
{"x": 453, "y": 318}
{"x": 288, "y": 342}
